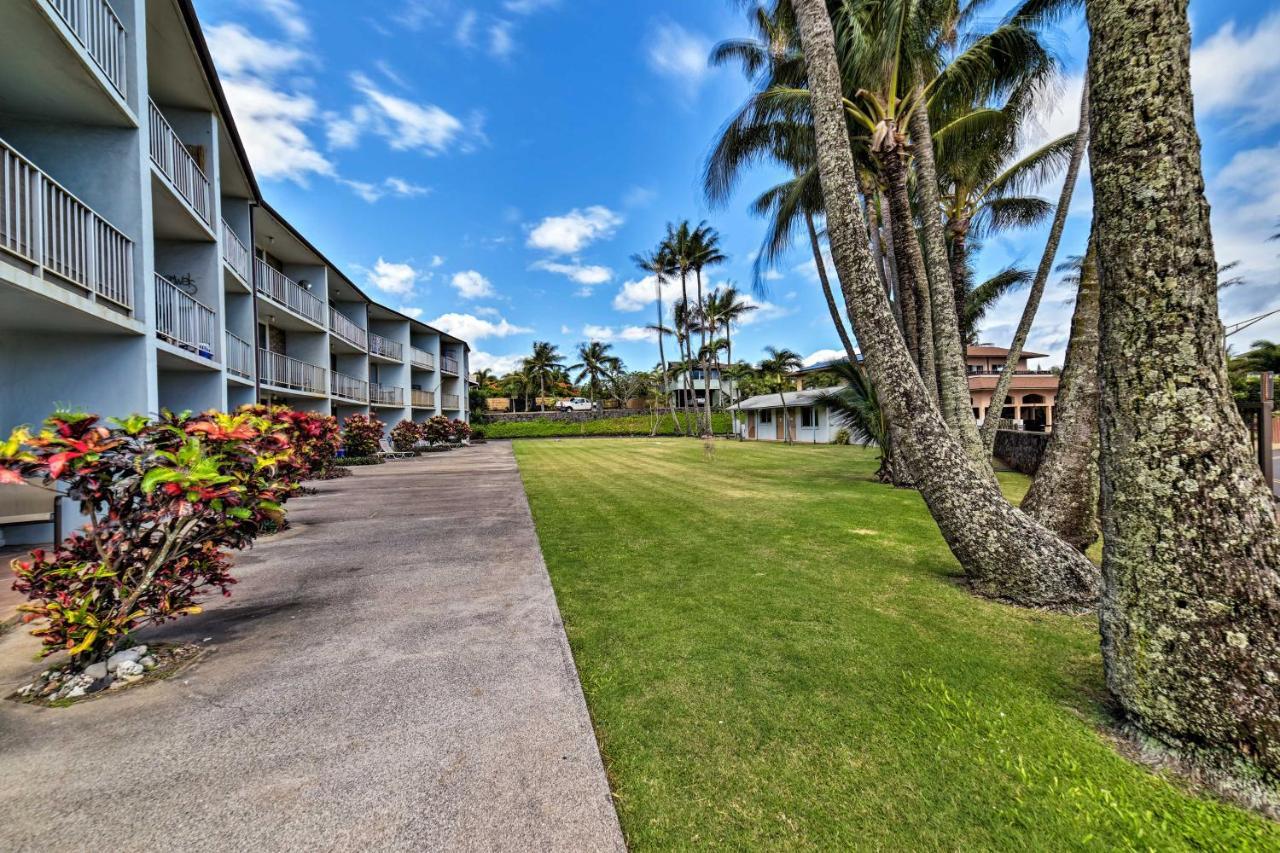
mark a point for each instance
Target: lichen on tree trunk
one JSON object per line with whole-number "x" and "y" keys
{"x": 1064, "y": 494}
{"x": 1003, "y": 551}
{"x": 1190, "y": 613}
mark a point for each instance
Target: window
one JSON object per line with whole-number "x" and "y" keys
{"x": 766, "y": 416}
{"x": 808, "y": 417}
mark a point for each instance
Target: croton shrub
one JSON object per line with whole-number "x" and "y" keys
{"x": 315, "y": 438}
{"x": 437, "y": 430}
{"x": 461, "y": 430}
{"x": 405, "y": 436}
{"x": 166, "y": 499}
{"x": 361, "y": 434}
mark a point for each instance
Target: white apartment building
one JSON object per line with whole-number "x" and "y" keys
{"x": 140, "y": 267}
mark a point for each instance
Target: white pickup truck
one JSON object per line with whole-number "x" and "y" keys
{"x": 574, "y": 404}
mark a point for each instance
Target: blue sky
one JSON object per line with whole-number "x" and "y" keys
{"x": 491, "y": 166}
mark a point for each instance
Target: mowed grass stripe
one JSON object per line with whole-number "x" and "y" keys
{"x": 776, "y": 655}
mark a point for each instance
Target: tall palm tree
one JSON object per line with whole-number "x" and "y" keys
{"x": 543, "y": 366}
{"x": 659, "y": 264}
{"x": 705, "y": 252}
{"x": 679, "y": 247}
{"x": 777, "y": 368}
{"x": 596, "y": 363}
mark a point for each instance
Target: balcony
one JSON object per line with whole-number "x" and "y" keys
{"x": 98, "y": 29}
{"x": 450, "y": 402}
{"x": 385, "y": 395}
{"x": 239, "y": 357}
{"x": 183, "y": 320}
{"x": 422, "y": 399}
{"x": 348, "y": 387}
{"x": 422, "y": 358}
{"x": 449, "y": 365}
{"x": 384, "y": 348}
{"x": 236, "y": 254}
{"x": 42, "y": 223}
{"x": 175, "y": 162}
{"x": 280, "y": 371}
{"x": 343, "y": 327}
{"x": 282, "y": 290}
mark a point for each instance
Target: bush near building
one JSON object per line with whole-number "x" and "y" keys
{"x": 640, "y": 425}
{"x": 361, "y": 434}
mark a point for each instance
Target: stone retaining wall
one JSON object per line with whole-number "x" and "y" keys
{"x": 566, "y": 417}
{"x": 1021, "y": 451}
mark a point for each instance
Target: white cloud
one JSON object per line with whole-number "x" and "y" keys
{"x": 472, "y": 285}
{"x": 488, "y": 311}
{"x": 472, "y": 328}
{"x": 638, "y": 197}
{"x": 499, "y": 364}
{"x": 598, "y": 333}
{"x": 415, "y": 313}
{"x": 404, "y": 124}
{"x": 1239, "y": 70}
{"x": 401, "y": 187}
{"x": 765, "y": 311}
{"x": 638, "y": 295}
{"x": 287, "y": 14}
{"x": 565, "y": 330}
{"x": 679, "y": 54}
{"x": 390, "y": 186}
{"x": 437, "y": 261}
{"x": 393, "y": 278}
{"x": 570, "y": 233}
{"x": 819, "y": 356}
{"x": 463, "y": 34}
{"x": 584, "y": 274}
{"x": 606, "y": 334}
{"x": 1247, "y": 196}
{"x": 528, "y": 7}
{"x": 237, "y": 51}
{"x": 271, "y": 124}
{"x": 500, "y": 42}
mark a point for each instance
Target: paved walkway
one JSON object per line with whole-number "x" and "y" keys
{"x": 391, "y": 674}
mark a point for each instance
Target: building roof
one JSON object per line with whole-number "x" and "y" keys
{"x": 988, "y": 351}
{"x": 1020, "y": 382}
{"x": 774, "y": 401}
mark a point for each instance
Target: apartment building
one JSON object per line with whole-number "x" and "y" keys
{"x": 140, "y": 266}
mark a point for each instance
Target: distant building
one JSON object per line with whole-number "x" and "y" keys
{"x": 723, "y": 390}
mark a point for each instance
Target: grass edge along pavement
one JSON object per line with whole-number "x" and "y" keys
{"x": 775, "y": 655}
{"x": 630, "y": 425}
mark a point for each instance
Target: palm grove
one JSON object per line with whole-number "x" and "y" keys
{"x": 899, "y": 124}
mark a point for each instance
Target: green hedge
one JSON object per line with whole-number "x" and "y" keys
{"x": 630, "y": 425}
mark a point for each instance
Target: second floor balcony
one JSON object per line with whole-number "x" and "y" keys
{"x": 236, "y": 254}
{"x": 422, "y": 358}
{"x": 385, "y": 395}
{"x": 281, "y": 371}
{"x": 183, "y": 320}
{"x": 385, "y": 347}
{"x": 282, "y": 290}
{"x": 450, "y": 402}
{"x": 46, "y": 226}
{"x": 422, "y": 399}
{"x": 345, "y": 328}
{"x": 175, "y": 162}
{"x": 348, "y": 387}
{"x": 239, "y": 357}
{"x": 449, "y": 365}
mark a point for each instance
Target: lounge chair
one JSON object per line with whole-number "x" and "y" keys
{"x": 388, "y": 453}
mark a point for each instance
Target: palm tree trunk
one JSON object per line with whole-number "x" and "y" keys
{"x": 1004, "y": 552}
{"x": 912, "y": 275}
{"x": 702, "y": 353}
{"x": 826, "y": 289}
{"x": 1042, "y": 275}
{"x": 905, "y": 304}
{"x": 686, "y": 353}
{"x": 891, "y": 270}
{"x": 1190, "y": 613}
{"x": 953, "y": 379}
{"x": 959, "y": 261}
{"x": 1064, "y": 494}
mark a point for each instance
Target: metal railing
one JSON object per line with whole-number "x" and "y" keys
{"x": 44, "y": 224}
{"x": 449, "y": 364}
{"x": 184, "y": 320}
{"x": 378, "y": 345}
{"x": 386, "y": 395}
{"x": 422, "y": 358}
{"x": 450, "y": 402}
{"x": 281, "y": 289}
{"x": 173, "y": 159}
{"x": 96, "y": 26}
{"x": 239, "y": 357}
{"x": 281, "y": 371}
{"x": 342, "y": 326}
{"x": 422, "y": 399}
{"x": 236, "y": 253}
{"x": 348, "y": 387}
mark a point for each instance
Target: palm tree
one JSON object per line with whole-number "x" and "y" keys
{"x": 659, "y": 264}
{"x": 705, "y": 252}
{"x": 484, "y": 378}
{"x": 596, "y": 363}
{"x": 543, "y": 366}
{"x": 856, "y": 407}
{"x": 777, "y": 367}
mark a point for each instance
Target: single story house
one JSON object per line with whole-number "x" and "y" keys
{"x": 764, "y": 417}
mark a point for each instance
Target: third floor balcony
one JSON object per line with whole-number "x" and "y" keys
{"x": 171, "y": 157}
{"x": 96, "y": 26}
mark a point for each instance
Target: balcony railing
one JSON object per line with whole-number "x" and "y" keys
{"x": 348, "y": 387}
{"x": 239, "y": 357}
{"x": 385, "y": 395}
{"x": 184, "y": 320}
{"x": 450, "y": 402}
{"x": 422, "y": 358}
{"x": 378, "y": 345}
{"x": 236, "y": 253}
{"x": 96, "y": 26}
{"x": 422, "y": 399}
{"x": 281, "y": 371}
{"x": 449, "y": 364}
{"x": 173, "y": 159}
{"x": 343, "y": 327}
{"x": 45, "y": 225}
{"x": 283, "y": 290}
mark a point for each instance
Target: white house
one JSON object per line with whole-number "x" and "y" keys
{"x": 722, "y": 388}
{"x": 140, "y": 266}
{"x": 765, "y": 418}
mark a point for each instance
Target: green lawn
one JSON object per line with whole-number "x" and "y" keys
{"x": 776, "y": 655}
{"x": 630, "y": 425}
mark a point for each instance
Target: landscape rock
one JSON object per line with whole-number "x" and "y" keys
{"x": 130, "y": 655}
{"x": 129, "y": 670}
{"x": 96, "y": 670}
{"x": 148, "y": 662}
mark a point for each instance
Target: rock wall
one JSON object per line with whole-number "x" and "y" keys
{"x": 566, "y": 417}
{"x": 1021, "y": 451}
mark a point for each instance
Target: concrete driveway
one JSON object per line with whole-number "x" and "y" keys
{"x": 391, "y": 674}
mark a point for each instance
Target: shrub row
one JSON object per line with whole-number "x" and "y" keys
{"x": 631, "y": 425}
